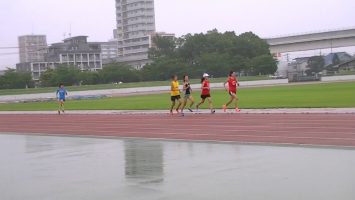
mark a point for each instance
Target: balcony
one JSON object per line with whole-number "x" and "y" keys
{"x": 125, "y": 2}
{"x": 136, "y": 51}
{"x": 139, "y": 43}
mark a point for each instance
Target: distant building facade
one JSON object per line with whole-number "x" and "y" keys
{"x": 299, "y": 66}
{"x": 74, "y": 51}
{"x": 347, "y": 66}
{"x": 334, "y": 59}
{"x": 109, "y": 51}
{"x": 115, "y": 33}
{"x": 32, "y": 48}
{"x": 135, "y": 22}
{"x": 333, "y": 63}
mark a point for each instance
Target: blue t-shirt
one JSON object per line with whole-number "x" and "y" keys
{"x": 61, "y": 92}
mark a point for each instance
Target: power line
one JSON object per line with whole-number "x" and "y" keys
{"x": 9, "y": 47}
{"x": 30, "y": 46}
{"x": 5, "y": 54}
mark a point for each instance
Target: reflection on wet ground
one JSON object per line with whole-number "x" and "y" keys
{"x": 39, "y": 167}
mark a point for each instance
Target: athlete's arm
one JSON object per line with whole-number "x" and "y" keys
{"x": 224, "y": 85}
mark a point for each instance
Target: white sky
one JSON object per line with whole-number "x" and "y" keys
{"x": 97, "y": 18}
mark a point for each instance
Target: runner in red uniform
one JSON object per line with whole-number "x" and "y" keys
{"x": 232, "y": 83}
{"x": 205, "y": 93}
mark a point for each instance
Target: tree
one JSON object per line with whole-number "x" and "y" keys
{"x": 264, "y": 64}
{"x": 163, "y": 47}
{"x": 16, "y": 80}
{"x": 163, "y": 68}
{"x": 48, "y": 78}
{"x": 217, "y": 52}
{"x": 250, "y": 45}
{"x": 216, "y": 64}
{"x": 68, "y": 75}
{"x": 89, "y": 78}
{"x": 315, "y": 65}
{"x": 118, "y": 73}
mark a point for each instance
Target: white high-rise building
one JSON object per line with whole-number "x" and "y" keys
{"x": 135, "y": 23}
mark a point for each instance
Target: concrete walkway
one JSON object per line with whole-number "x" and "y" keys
{"x": 243, "y": 111}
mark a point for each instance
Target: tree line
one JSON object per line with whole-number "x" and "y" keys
{"x": 212, "y": 52}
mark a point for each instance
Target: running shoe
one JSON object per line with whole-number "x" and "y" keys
{"x": 237, "y": 110}
{"x": 58, "y": 112}
{"x": 190, "y": 110}
{"x": 213, "y": 111}
{"x": 177, "y": 110}
{"x": 171, "y": 112}
{"x": 224, "y": 108}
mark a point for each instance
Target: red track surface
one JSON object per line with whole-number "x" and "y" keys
{"x": 312, "y": 129}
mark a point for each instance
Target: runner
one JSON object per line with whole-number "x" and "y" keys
{"x": 231, "y": 87}
{"x": 205, "y": 93}
{"x": 61, "y": 93}
{"x": 187, "y": 96}
{"x": 175, "y": 94}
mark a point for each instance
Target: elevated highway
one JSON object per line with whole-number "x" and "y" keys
{"x": 312, "y": 41}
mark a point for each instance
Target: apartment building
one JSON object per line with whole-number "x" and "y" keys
{"x": 135, "y": 23}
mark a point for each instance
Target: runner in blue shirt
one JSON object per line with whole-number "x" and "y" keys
{"x": 61, "y": 93}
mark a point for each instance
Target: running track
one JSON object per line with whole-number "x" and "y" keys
{"x": 308, "y": 129}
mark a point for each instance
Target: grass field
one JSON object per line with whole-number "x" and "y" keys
{"x": 113, "y": 86}
{"x": 323, "y": 95}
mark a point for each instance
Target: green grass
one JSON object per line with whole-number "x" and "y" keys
{"x": 113, "y": 86}
{"x": 333, "y": 95}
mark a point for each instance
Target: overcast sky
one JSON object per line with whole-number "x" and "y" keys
{"x": 97, "y": 18}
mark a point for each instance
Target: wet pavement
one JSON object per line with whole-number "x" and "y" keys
{"x": 70, "y": 168}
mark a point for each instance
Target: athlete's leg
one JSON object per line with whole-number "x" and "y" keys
{"x": 179, "y": 105}
{"x": 192, "y": 101}
{"x": 236, "y": 104}
{"x": 62, "y": 105}
{"x": 183, "y": 104}
{"x": 236, "y": 101}
{"x": 210, "y": 104}
{"x": 59, "y": 106}
{"x": 172, "y": 106}
{"x": 198, "y": 105}
{"x": 232, "y": 97}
